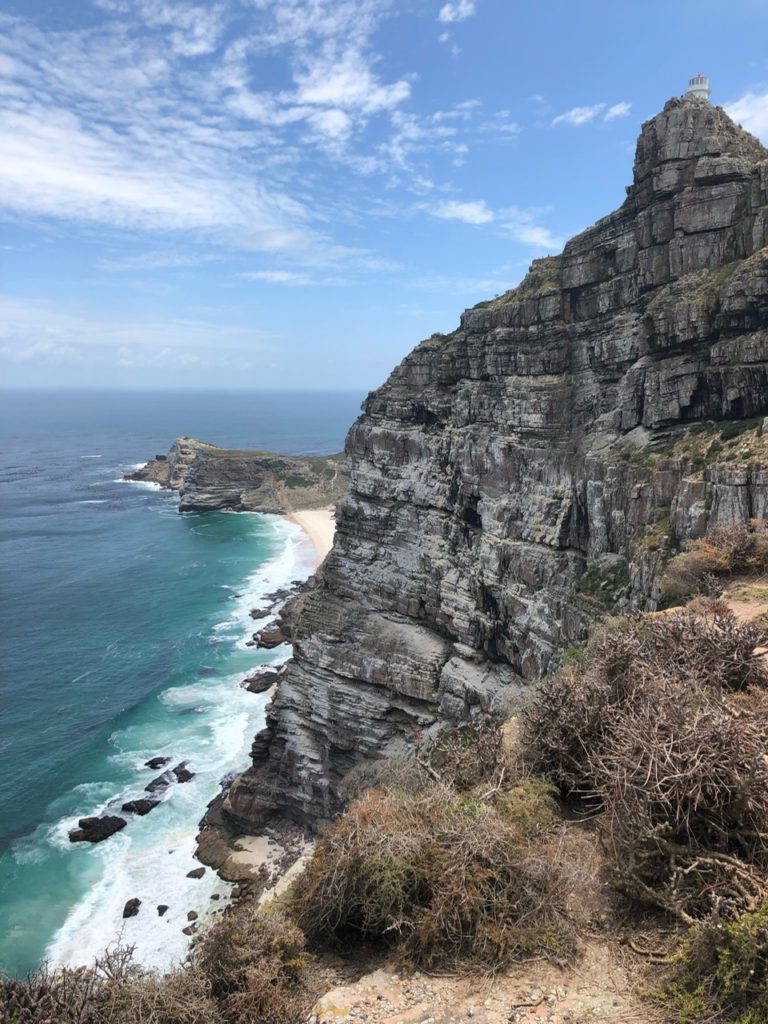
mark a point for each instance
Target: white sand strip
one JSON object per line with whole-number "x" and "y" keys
{"x": 319, "y": 525}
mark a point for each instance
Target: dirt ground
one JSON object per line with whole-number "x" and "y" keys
{"x": 602, "y": 986}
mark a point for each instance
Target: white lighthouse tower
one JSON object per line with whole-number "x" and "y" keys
{"x": 698, "y": 88}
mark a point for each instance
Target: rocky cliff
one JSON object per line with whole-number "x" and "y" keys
{"x": 208, "y": 477}
{"x": 518, "y": 477}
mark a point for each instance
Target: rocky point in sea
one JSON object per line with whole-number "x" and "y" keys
{"x": 208, "y": 478}
{"x": 508, "y": 482}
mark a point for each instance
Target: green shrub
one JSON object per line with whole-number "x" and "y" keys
{"x": 721, "y": 972}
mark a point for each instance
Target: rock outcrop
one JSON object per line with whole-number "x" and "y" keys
{"x": 516, "y": 478}
{"x": 208, "y": 478}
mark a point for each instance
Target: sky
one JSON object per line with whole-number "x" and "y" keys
{"x": 292, "y": 193}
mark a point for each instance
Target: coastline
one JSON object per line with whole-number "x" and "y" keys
{"x": 320, "y": 526}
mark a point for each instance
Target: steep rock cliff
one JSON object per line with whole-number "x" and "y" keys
{"x": 510, "y": 481}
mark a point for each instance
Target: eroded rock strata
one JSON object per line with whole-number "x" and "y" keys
{"x": 208, "y": 477}
{"x": 512, "y": 480}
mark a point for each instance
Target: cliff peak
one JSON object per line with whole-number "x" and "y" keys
{"x": 690, "y": 142}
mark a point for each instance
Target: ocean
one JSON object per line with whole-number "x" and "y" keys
{"x": 122, "y": 637}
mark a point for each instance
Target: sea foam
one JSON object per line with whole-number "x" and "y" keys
{"x": 151, "y": 857}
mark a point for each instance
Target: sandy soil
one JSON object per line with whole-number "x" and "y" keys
{"x": 319, "y": 524}
{"x": 601, "y": 987}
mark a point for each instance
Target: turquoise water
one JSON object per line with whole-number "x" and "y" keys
{"x": 123, "y": 629}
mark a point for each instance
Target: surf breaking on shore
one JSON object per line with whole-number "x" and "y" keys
{"x": 209, "y": 722}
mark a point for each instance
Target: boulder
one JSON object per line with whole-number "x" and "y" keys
{"x": 161, "y": 909}
{"x": 131, "y": 907}
{"x": 182, "y": 773}
{"x": 156, "y": 762}
{"x": 260, "y": 682}
{"x": 196, "y": 873}
{"x": 141, "y": 806}
{"x": 95, "y": 829}
{"x": 161, "y": 782}
{"x": 271, "y": 636}
{"x": 192, "y": 915}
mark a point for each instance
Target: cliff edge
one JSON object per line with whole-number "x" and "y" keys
{"x": 517, "y": 478}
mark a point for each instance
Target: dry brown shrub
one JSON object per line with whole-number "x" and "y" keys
{"x": 684, "y": 785}
{"x": 734, "y": 548}
{"x": 572, "y": 713}
{"x": 256, "y": 966}
{"x": 665, "y": 727}
{"x": 442, "y": 876}
{"x": 179, "y": 997}
{"x": 468, "y": 754}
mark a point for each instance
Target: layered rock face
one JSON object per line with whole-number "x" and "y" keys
{"x": 511, "y": 481}
{"x": 208, "y": 477}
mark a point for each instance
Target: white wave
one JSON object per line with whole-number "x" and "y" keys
{"x": 150, "y": 858}
{"x": 149, "y": 485}
{"x": 91, "y": 456}
{"x": 92, "y": 501}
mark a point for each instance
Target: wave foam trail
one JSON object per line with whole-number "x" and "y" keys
{"x": 150, "y": 858}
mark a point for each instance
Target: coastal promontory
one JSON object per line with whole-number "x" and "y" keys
{"x": 208, "y": 477}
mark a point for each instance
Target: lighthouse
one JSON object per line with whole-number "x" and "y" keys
{"x": 698, "y": 88}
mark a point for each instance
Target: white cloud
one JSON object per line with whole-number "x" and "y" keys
{"x": 349, "y": 83}
{"x": 579, "y": 115}
{"x": 476, "y": 212}
{"x": 459, "y": 10}
{"x": 617, "y": 110}
{"x": 35, "y": 330}
{"x": 751, "y": 112}
{"x": 523, "y": 225}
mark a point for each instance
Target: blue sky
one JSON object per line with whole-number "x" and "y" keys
{"x": 275, "y": 193}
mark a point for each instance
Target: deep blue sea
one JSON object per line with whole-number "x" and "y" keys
{"x": 122, "y": 637}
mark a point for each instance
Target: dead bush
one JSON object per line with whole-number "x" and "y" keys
{"x": 443, "y": 876}
{"x": 572, "y": 713}
{"x": 684, "y": 785}
{"x": 725, "y": 551}
{"x": 256, "y": 966}
{"x": 467, "y": 755}
{"x": 180, "y": 997}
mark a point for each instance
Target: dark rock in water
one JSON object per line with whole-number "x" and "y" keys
{"x": 156, "y": 762}
{"x": 262, "y": 681}
{"x": 141, "y": 806}
{"x": 191, "y": 915}
{"x": 161, "y": 909}
{"x": 189, "y": 930}
{"x": 131, "y": 907}
{"x": 161, "y": 782}
{"x": 271, "y": 636}
{"x": 182, "y": 773}
{"x": 215, "y": 896}
{"x": 196, "y": 873}
{"x": 95, "y": 830}
{"x": 259, "y": 613}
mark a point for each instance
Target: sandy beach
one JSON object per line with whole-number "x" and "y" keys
{"x": 319, "y": 524}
